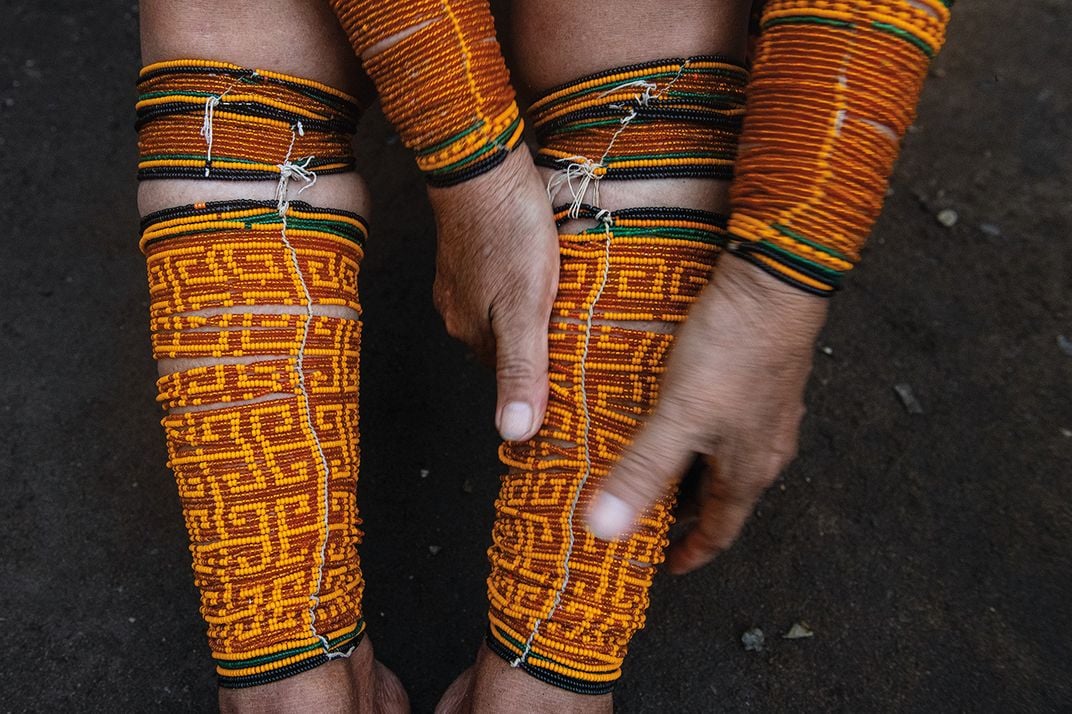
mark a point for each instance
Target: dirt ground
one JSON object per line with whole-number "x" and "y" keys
{"x": 930, "y": 553}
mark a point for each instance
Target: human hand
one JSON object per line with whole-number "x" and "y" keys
{"x": 733, "y": 393}
{"x": 496, "y": 276}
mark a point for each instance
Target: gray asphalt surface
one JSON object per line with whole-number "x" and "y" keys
{"x": 930, "y": 553}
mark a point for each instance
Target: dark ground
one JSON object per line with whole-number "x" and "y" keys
{"x": 930, "y": 553}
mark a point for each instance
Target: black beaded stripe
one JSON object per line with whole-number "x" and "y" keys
{"x": 653, "y": 213}
{"x": 251, "y": 77}
{"x": 577, "y": 686}
{"x": 198, "y": 172}
{"x": 644, "y": 114}
{"x": 650, "y": 172}
{"x": 254, "y": 680}
{"x": 213, "y": 207}
{"x": 255, "y": 109}
{"x": 642, "y": 66}
{"x": 747, "y": 251}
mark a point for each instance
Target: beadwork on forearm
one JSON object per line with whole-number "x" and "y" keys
{"x": 563, "y": 604}
{"x": 834, "y": 88}
{"x": 255, "y": 304}
{"x": 442, "y": 81}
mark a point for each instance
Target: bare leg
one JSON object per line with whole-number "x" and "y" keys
{"x": 298, "y": 37}
{"x": 558, "y": 41}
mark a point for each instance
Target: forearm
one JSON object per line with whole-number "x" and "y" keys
{"x": 834, "y": 88}
{"x": 442, "y": 81}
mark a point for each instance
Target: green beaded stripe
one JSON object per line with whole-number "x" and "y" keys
{"x": 912, "y": 39}
{"x": 497, "y": 144}
{"x": 801, "y": 239}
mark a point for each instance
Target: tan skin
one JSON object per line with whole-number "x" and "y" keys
{"x": 733, "y": 392}
{"x": 202, "y": 29}
{"x": 734, "y": 388}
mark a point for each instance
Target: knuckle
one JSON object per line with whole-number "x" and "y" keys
{"x": 637, "y": 479}
{"x": 514, "y": 366}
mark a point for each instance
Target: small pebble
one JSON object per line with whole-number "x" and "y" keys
{"x": 990, "y": 229}
{"x": 1067, "y": 433}
{"x": 424, "y": 473}
{"x": 753, "y": 640}
{"x": 798, "y": 631}
{"x": 948, "y": 217}
{"x": 132, "y": 620}
{"x": 467, "y": 485}
{"x": 828, "y": 350}
{"x": 1065, "y": 344}
{"x": 908, "y": 399}
{"x": 434, "y": 549}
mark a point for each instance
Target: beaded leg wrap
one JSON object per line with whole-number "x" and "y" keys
{"x": 834, "y": 88}
{"x": 262, "y": 295}
{"x": 563, "y": 604}
{"x": 444, "y": 85}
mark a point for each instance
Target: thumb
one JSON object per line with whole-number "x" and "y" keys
{"x": 520, "y": 372}
{"x": 646, "y": 472}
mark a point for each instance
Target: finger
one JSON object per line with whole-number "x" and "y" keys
{"x": 731, "y": 490}
{"x": 646, "y": 472}
{"x": 520, "y": 372}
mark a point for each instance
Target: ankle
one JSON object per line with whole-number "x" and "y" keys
{"x": 342, "y": 685}
{"x": 496, "y": 686}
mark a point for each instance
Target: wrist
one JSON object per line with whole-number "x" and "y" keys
{"x": 741, "y": 280}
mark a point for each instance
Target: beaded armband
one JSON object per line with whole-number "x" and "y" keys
{"x": 444, "y": 85}
{"x": 213, "y": 120}
{"x": 693, "y": 107}
{"x": 834, "y": 88}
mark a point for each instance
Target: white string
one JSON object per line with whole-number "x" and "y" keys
{"x": 604, "y": 216}
{"x": 206, "y": 126}
{"x": 577, "y": 167}
{"x": 292, "y": 170}
{"x": 586, "y": 168}
{"x": 300, "y": 170}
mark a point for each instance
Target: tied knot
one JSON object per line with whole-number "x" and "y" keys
{"x": 579, "y": 175}
{"x": 648, "y": 90}
{"x": 289, "y": 170}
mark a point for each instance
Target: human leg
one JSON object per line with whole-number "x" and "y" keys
{"x": 256, "y": 327}
{"x": 640, "y": 156}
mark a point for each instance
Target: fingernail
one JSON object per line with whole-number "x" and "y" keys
{"x": 516, "y": 421}
{"x": 609, "y": 517}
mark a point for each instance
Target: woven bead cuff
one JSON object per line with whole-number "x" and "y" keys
{"x": 444, "y": 85}
{"x": 834, "y": 88}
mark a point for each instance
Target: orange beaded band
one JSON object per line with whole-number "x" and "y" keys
{"x": 834, "y": 88}
{"x": 208, "y": 119}
{"x": 263, "y": 439}
{"x": 443, "y": 83}
{"x": 563, "y": 604}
